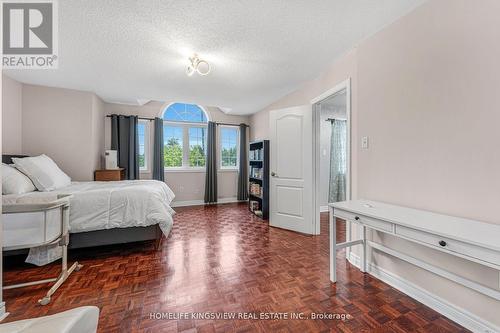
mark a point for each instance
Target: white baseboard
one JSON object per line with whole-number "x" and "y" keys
{"x": 3, "y": 313}
{"x": 323, "y": 209}
{"x": 229, "y": 200}
{"x": 453, "y": 312}
{"x": 201, "y": 202}
{"x": 354, "y": 260}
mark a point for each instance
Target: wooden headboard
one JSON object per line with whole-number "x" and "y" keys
{"x": 7, "y": 159}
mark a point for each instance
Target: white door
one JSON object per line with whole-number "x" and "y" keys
{"x": 291, "y": 185}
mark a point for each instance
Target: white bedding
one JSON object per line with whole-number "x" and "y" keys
{"x": 107, "y": 205}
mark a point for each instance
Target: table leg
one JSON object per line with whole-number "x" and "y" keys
{"x": 364, "y": 259}
{"x": 333, "y": 246}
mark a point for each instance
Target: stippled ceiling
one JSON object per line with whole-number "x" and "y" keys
{"x": 134, "y": 50}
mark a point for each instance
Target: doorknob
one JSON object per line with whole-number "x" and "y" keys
{"x": 274, "y": 174}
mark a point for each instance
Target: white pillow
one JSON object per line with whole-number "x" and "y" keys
{"x": 43, "y": 172}
{"x": 14, "y": 181}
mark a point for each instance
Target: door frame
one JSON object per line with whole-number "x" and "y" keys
{"x": 346, "y": 84}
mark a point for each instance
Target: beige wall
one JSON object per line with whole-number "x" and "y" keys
{"x": 64, "y": 124}
{"x": 425, "y": 91}
{"x": 12, "y": 116}
{"x": 187, "y": 185}
{"x": 428, "y": 100}
{"x": 97, "y": 132}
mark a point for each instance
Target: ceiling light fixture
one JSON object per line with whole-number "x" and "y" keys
{"x": 197, "y": 65}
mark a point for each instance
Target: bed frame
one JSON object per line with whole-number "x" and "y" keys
{"x": 108, "y": 236}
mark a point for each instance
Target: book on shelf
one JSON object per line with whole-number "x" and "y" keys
{"x": 255, "y": 189}
{"x": 256, "y": 154}
{"x": 254, "y": 205}
{"x": 255, "y": 172}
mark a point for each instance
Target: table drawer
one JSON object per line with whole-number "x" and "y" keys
{"x": 109, "y": 175}
{"x": 342, "y": 214}
{"x": 445, "y": 244}
{"x": 368, "y": 221}
{"x": 376, "y": 224}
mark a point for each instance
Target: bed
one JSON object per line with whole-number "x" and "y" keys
{"x": 104, "y": 213}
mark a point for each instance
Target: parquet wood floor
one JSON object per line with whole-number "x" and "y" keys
{"x": 223, "y": 259}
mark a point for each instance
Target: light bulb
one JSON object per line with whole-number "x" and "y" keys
{"x": 197, "y": 65}
{"x": 203, "y": 67}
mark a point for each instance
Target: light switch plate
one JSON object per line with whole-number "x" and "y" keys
{"x": 364, "y": 142}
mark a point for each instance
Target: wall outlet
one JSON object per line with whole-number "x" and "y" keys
{"x": 364, "y": 142}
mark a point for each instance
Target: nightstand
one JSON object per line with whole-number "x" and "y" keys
{"x": 109, "y": 175}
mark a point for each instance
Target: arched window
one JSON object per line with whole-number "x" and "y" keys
{"x": 184, "y": 136}
{"x": 185, "y": 112}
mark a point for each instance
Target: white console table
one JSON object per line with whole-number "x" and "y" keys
{"x": 472, "y": 240}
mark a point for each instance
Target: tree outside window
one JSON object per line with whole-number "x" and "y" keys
{"x": 197, "y": 146}
{"x": 143, "y": 135}
{"x": 185, "y": 139}
{"x": 229, "y": 137}
{"x": 184, "y": 136}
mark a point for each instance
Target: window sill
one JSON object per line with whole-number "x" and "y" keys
{"x": 227, "y": 170}
{"x": 196, "y": 170}
{"x": 174, "y": 170}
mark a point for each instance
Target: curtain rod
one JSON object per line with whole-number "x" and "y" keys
{"x": 151, "y": 119}
{"x": 332, "y": 119}
{"x": 227, "y": 124}
{"x": 142, "y": 118}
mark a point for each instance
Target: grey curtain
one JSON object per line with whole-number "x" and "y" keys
{"x": 211, "y": 173}
{"x": 338, "y": 161}
{"x": 243, "y": 168}
{"x": 124, "y": 139}
{"x": 158, "y": 161}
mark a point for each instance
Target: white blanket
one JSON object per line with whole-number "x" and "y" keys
{"x": 130, "y": 203}
{"x": 107, "y": 205}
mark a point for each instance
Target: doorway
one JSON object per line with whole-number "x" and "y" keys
{"x": 332, "y": 149}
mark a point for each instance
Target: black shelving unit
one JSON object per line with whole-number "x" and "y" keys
{"x": 258, "y": 178}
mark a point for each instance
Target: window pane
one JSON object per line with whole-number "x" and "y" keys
{"x": 197, "y": 146}
{"x": 141, "y": 131}
{"x": 185, "y": 112}
{"x": 229, "y": 147}
{"x": 172, "y": 146}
